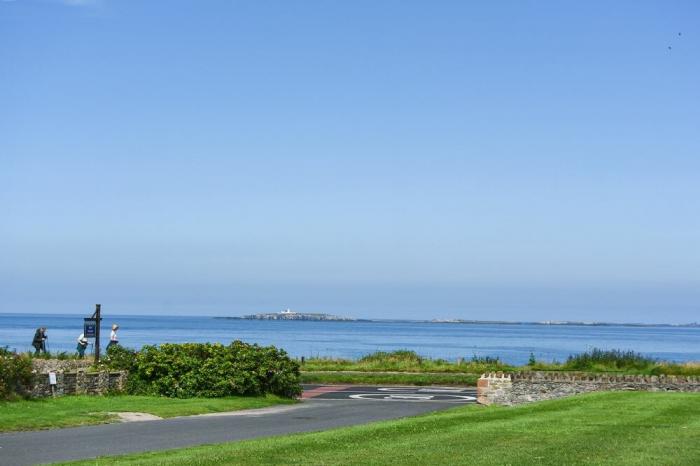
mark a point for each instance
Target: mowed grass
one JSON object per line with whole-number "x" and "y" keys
{"x": 614, "y": 428}
{"x": 82, "y": 410}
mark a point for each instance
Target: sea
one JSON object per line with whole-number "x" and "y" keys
{"x": 512, "y": 343}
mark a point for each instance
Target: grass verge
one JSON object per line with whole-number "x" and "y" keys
{"x": 595, "y": 360}
{"x": 614, "y": 428}
{"x": 388, "y": 378}
{"x": 83, "y": 410}
{"x": 404, "y": 361}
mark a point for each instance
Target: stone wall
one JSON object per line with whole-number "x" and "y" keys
{"x": 79, "y": 383}
{"x": 493, "y": 388}
{"x": 524, "y": 387}
{"x": 44, "y": 366}
{"x": 73, "y": 379}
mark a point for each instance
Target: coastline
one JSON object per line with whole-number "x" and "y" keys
{"x": 474, "y": 322}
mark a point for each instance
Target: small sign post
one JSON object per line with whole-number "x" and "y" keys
{"x": 52, "y": 383}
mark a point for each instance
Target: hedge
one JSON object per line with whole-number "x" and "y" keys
{"x": 15, "y": 375}
{"x": 207, "y": 370}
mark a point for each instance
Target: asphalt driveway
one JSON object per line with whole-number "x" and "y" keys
{"x": 323, "y": 407}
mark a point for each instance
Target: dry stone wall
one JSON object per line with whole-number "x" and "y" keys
{"x": 44, "y": 366}
{"x": 524, "y": 387}
{"x": 73, "y": 379}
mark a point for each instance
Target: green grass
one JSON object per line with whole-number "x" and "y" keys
{"x": 656, "y": 368}
{"x": 615, "y": 428}
{"x": 390, "y": 378}
{"x": 82, "y": 410}
{"x": 403, "y": 361}
{"x": 596, "y": 360}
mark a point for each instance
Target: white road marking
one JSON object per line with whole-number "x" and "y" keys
{"x": 442, "y": 390}
{"x": 349, "y": 392}
{"x": 410, "y": 397}
{"x": 447, "y": 390}
{"x": 395, "y": 389}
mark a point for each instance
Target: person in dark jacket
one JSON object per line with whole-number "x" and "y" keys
{"x": 39, "y": 341}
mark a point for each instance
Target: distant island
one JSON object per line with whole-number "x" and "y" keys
{"x": 558, "y": 322}
{"x": 288, "y": 314}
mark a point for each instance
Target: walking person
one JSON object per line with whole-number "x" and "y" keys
{"x": 82, "y": 345}
{"x": 39, "y": 341}
{"x": 113, "y": 339}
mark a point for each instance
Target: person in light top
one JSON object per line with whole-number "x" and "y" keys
{"x": 113, "y": 340}
{"x": 82, "y": 344}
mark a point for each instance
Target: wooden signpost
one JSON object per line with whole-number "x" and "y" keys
{"x": 95, "y": 331}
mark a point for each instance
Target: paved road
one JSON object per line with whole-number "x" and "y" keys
{"x": 324, "y": 407}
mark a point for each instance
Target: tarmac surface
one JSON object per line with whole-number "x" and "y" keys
{"x": 323, "y": 407}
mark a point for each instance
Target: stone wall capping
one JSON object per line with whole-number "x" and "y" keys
{"x": 44, "y": 366}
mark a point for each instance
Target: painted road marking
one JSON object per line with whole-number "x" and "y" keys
{"x": 396, "y": 389}
{"x": 425, "y": 390}
{"x": 442, "y": 390}
{"x": 322, "y": 390}
{"x": 416, "y": 398}
{"x": 378, "y": 393}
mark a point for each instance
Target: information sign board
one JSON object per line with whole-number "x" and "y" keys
{"x": 90, "y": 327}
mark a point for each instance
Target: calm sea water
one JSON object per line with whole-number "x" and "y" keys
{"x": 511, "y": 342}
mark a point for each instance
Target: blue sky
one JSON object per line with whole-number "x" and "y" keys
{"x": 493, "y": 160}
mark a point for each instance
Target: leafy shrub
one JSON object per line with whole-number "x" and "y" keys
{"x": 209, "y": 370}
{"x": 15, "y": 375}
{"x": 121, "y": 358}
{"x": 612, "y": 359}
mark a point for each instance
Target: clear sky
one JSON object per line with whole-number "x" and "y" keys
{"x": 480, "y": 160}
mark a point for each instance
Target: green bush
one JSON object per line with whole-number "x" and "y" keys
{"x": 15, "y": 375}
{"x": 121, "y": 358}
{"x": 209, "y": 370}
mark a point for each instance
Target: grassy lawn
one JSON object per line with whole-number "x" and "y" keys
{"x": 81, "y": 410}
{"x": 371, "y": 378}
{"x": 616, "y": 428}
